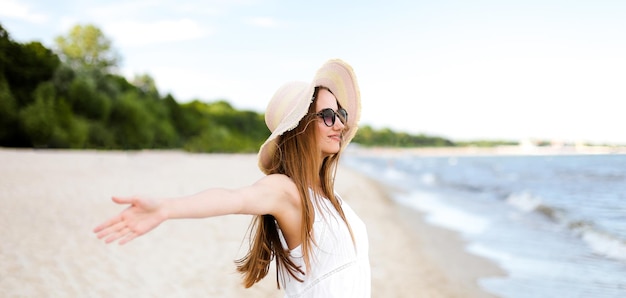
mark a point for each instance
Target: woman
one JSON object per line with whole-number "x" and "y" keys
{"x": 319, "y": 243}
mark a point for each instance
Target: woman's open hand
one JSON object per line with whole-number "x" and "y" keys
{"x": 140, "y": 217}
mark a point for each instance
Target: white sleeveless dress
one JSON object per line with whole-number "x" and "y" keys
{"x": 338, "y": 267}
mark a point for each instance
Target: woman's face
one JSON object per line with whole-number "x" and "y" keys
{"x": 328, "y": 138}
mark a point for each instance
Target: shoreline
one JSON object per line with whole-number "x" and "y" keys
{"x": 435, "y": 256}
{"x": 486, "y": 151}
{"x": 50, "y": 200}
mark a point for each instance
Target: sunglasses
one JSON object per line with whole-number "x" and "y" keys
{"x": 329, "y": 116}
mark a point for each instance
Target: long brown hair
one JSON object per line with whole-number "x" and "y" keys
{"x": 296, "y": 157}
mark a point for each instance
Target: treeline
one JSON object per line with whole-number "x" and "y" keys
{"x": 71, "y": 97}
{"x": 367, "y": 136}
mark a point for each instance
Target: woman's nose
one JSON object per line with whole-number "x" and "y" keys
{"x": 339, "y": 124}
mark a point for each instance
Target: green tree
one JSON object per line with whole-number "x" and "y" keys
{"x": 165, "y": 135}
{"x": 86, "y": 100}
{"x": 70, "y": 131}
{"x": 8, "y": 115}
{"x": 24, "y": 66}
{"x": 38, "y": 119}
{"x": 145, "y": 83}
{"x": 132, "y": 122}
{"x": 192, "y": 119}
{"x": 87, "y": 49}
{"x": 100, "y": 136}
{"x": 367, "y": 136}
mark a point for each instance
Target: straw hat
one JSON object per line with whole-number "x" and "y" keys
{"x": 291, "y": 102}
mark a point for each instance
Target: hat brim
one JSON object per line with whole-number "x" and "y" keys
{"x": 339, "y": 78}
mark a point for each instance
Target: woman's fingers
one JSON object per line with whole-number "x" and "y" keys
{"x": 124, "y": 233}
{"x": 110, "y": 222}
{"x": 139, "y": 213}
{"x": 128, "y": 237}
{"x": 114, "y": 227}
{"x": 115, "y": 219}
{"x": 113, "y": 237}
{"x": 123, "y": 200}
{"x": 114, "y": 224}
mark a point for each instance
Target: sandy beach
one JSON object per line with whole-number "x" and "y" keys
{"x": 50, "y": 200}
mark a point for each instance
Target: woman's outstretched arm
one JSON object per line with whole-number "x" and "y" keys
{"x": 274, "y": 194}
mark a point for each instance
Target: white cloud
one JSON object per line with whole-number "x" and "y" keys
{"x": 133, "y": 33}
{"x": 15, "y": 10}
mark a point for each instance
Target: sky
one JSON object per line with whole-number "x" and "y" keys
{"x": 463, "y": 70}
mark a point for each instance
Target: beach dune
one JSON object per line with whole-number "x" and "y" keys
{"x": 50, "y": 201}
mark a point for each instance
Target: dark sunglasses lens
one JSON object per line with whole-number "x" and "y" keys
{"x": 329, "y": 117}
{"x": 343, "y": 115}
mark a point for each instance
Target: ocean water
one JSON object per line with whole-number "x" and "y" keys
{"x": 556, "y": 224}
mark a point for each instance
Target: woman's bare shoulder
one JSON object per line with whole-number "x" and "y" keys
{"x": 281, "y": 184}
